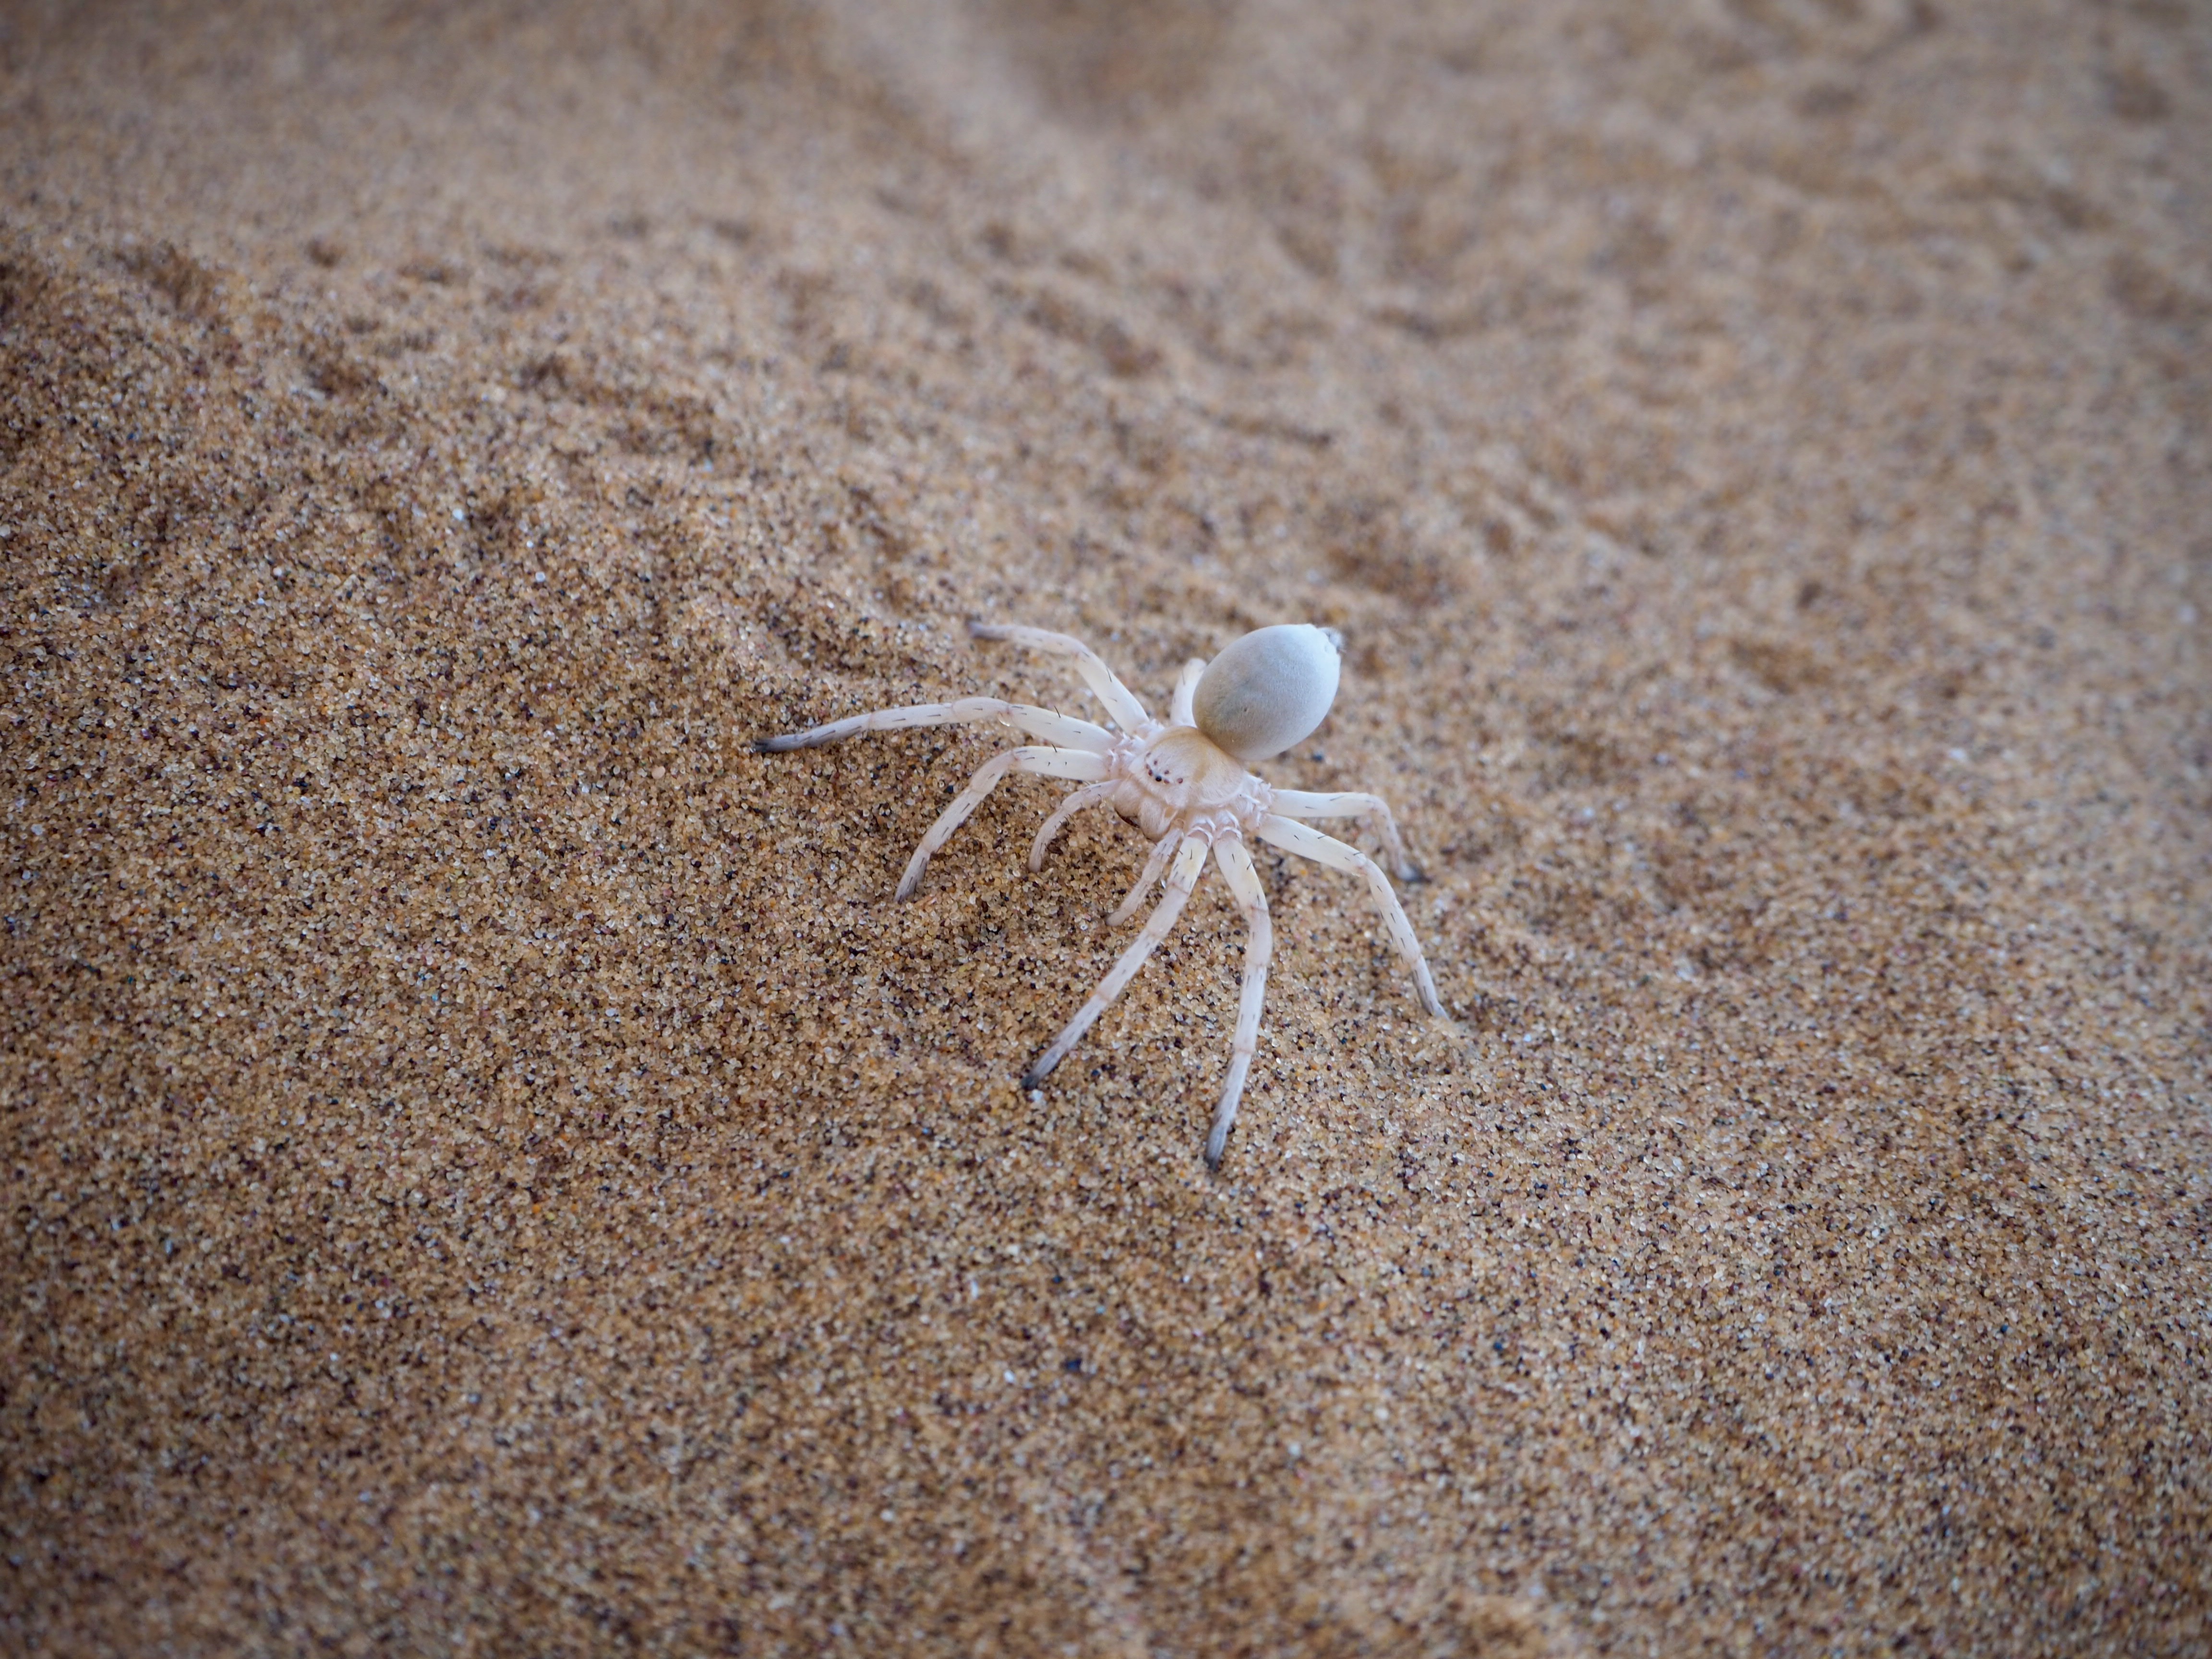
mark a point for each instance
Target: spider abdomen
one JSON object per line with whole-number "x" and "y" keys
{"x": 1268, "y": 690}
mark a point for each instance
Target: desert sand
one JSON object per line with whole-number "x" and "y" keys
{"x": 488, "y": 1166}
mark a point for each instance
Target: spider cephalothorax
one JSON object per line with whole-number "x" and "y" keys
{"x": 1186, "y": 784}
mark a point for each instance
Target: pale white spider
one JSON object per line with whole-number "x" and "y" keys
{"x": 1185, "y": 785}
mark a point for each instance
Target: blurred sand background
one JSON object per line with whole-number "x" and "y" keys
{"x": 487, "y": 1168}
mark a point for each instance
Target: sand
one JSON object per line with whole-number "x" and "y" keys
{"x": 490, "y": 1168}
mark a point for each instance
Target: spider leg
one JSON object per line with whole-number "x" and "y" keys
{"x": 1310, "y": 844}
{"x": 1351, "y": 803}
{"x": 1154, "y": 864}
{"x": 1179, "y": 709}
{"x": 1053, "y": 728}
{"x": 1184, "y": 877}
{"x": 1251, "y": 899}
{"x": 1120, "y": 703}
{"x": 1071, "y": 763}
{"x": 1089, "y": 795}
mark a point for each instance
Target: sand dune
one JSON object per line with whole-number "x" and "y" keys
{"x": 490, "y": 1167}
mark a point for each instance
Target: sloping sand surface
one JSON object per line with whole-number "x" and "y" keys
{"x": 490, "y": 1168}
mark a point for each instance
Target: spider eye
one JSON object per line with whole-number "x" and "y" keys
{"x": 1268, "y": 689}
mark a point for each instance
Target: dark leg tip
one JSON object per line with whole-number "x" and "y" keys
{"x": 1032, "y": 1080}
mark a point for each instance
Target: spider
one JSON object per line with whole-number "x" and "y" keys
{"x": 1185, "y": 783}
